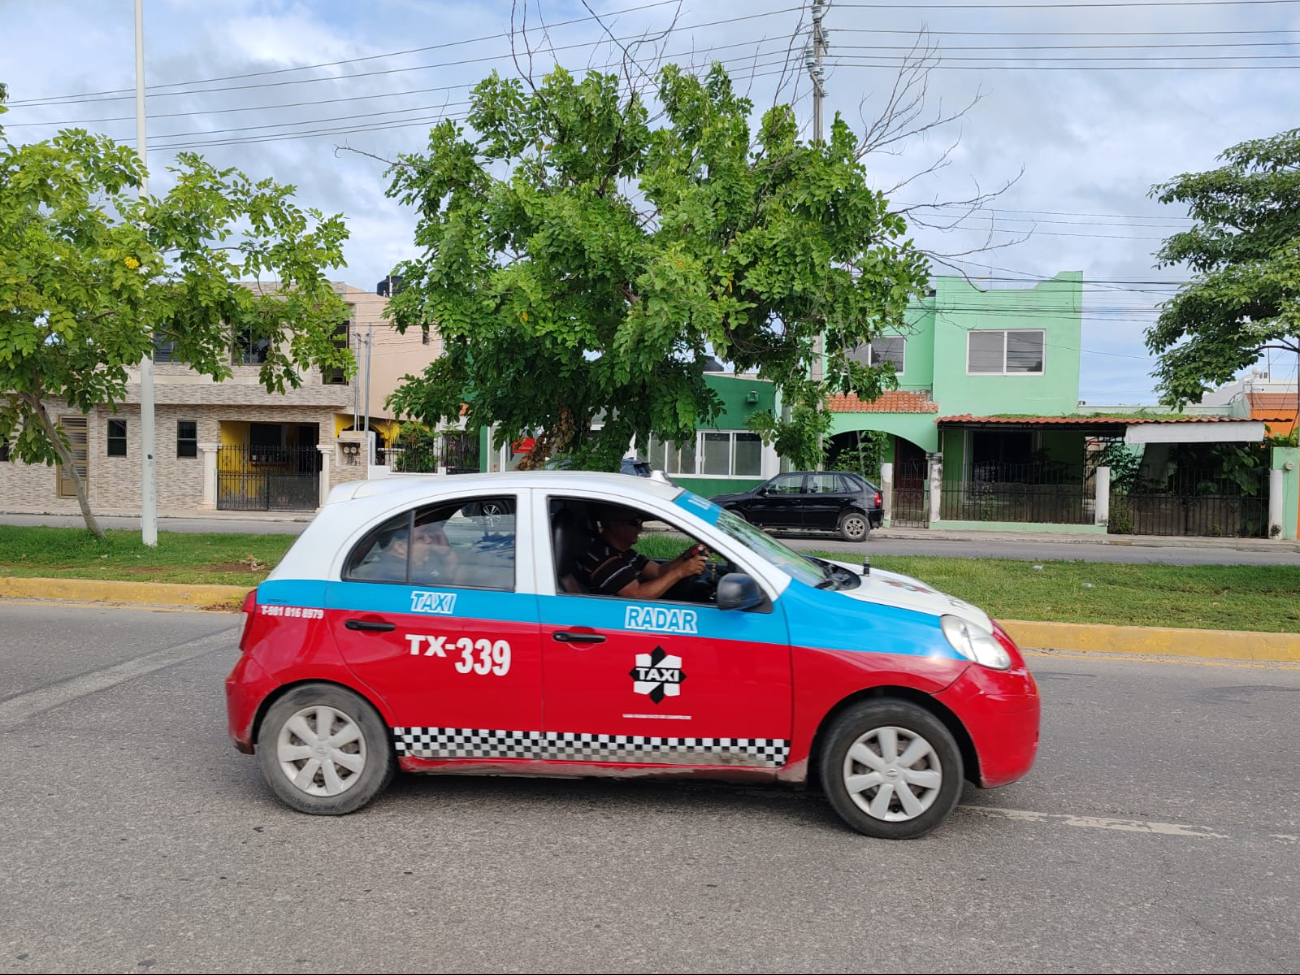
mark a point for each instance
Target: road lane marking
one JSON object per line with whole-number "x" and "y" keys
{"x": 19, "y": 708}
{"x": 1098, "y": 822}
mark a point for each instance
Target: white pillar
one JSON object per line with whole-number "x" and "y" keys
{"x": 209, "y": 502}
{"x": 1276, "y": 510}
{"x": 936, "y": 487}
{"x": 887, "y": 492}
{"x": 1101, "y": 509}
{"x": 326, "y": 451}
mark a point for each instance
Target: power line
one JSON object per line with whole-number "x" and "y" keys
{"x": 118, "y": 94}
{"x": 155, "y": 89}
{"x": 1038, "y": 5}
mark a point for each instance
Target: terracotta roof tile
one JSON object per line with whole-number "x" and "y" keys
{"x": 891, "y": 401}
{"x": 1272, "y": 401}
{"x": 1083, "y": 421}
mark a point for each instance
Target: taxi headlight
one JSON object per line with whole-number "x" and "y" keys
{"x": 975, "y": 643}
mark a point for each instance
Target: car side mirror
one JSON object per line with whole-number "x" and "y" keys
{"x": 738, "y": 591}
{"x": 761, "y": 491}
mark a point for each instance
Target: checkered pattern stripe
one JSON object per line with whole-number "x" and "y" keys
{"x": 434, "y": 743}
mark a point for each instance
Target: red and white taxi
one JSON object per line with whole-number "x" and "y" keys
{"x": 444, "y": 625}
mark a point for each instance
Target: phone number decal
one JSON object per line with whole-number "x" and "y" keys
{"x": 298, "y": 612}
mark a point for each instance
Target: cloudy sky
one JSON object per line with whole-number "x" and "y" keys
{"x": 1078, "y": 109}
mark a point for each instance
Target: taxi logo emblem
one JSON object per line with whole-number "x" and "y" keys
{"x": 442, "y": 603}
{"x": 657, "y": 675}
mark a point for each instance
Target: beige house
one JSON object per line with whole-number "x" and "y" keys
{"x": 232, "y": 445}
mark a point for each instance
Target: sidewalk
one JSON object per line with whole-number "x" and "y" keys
{"x": 1080, "y": 538}
{"x": 1135, "y": 641}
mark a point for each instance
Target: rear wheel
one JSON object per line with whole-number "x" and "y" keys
{"x": 854, "y": 526}
{"x": 891, "y": 769}
{"x": 324, "y": 750}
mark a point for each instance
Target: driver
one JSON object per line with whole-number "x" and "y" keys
{"x": 611, "y": 565}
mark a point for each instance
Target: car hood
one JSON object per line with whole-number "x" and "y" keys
{"x": 722, "y": 500}
{"x": 893, "y": 589}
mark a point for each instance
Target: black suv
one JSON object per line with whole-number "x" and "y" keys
{"x": 826, "y": 501}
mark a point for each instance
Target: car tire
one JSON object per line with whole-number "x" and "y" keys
{"x": 738, "y": 513}
{"x": 854, "y": 526}
{"x": 891, "y": 769}
{"x": 324, "y": 750}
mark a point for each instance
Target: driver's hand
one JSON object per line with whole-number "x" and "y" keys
{"x": 692, "y": 565}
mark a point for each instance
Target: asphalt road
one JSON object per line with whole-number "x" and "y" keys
{"x": 976, "y": 546}
{"x": 1159, "y": 832}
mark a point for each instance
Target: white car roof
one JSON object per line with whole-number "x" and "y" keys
{"x": 401, "y": 487}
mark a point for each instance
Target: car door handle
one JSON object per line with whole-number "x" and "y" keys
{"x": 370, "y": 626}
{"x": 568, "y": 636}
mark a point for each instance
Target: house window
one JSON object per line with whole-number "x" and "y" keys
{"x": 888, "y": 348}
{"x": 187, "y": 438}
{"x": 337, "y": 377}
{"x": 117, "y": 438}
{"x": 249, "y": 349}
{"x": 720, "y": 454}
{"x": 164, "y": 349}
{"x": 1004, "y": 353}
{"x": 882, "y": 349}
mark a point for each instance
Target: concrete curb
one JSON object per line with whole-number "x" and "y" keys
{"x": 138, "y": 593}
{"x": 1161, "y": 641}
{"x": 1155, "y": 641}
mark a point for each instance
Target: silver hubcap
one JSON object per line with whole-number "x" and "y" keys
{"x": 892, "y": 774}
{"x": 321, "y": 751}
{"x": 855, "y": 526}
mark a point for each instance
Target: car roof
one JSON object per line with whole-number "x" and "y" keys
{"x": 399, "y": 487}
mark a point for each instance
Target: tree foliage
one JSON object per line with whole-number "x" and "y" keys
{"x": 580, "y": 258}
{"x": 1244, "y": 253}
{"x": 90, "y": 273}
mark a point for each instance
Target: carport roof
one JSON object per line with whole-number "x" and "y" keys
{"x": 1143, "y": 429}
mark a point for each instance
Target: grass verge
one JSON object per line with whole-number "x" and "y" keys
{"x": 1219, "y": 597}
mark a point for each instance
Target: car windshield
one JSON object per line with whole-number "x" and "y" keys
{"x": 755, "y": 539}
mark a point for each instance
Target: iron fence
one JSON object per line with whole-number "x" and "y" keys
{"x": 1194, "y": 503}
{"x": 1043, "y": 492}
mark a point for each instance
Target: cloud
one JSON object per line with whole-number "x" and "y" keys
{"x": 1085, "y": 144}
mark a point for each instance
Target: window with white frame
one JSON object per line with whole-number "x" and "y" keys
{"x": 1002, "y": 352}
{"x": 714, "y": 453}
{"x": 882, "y": 349}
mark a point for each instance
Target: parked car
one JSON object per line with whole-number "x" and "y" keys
{"x": 824, "y": 501}
{"x": 498, "y": 660}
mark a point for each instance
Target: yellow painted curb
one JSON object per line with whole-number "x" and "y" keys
{"x": 1162, "y": 641}
{"x": 151, "y": 593}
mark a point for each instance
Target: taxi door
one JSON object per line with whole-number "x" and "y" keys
{"x": 455, "y": 656}
{"x": 658, "y": 682}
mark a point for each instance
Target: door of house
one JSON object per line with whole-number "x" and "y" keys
{"x": 78, "y": 446}
{"x": 910, "y": 500}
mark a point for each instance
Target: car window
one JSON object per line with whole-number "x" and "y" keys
{"x": 824, "y": 484}
{"x": 786, "y": 484}
{"x": 461, "y": 543}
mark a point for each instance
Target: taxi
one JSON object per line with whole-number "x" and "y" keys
{"x": 446, "y": 625}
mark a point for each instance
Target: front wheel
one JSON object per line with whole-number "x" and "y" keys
{"x": 854, "y": 526}
{"x": 891, "y": 769}
{"x": 324, "y": 750}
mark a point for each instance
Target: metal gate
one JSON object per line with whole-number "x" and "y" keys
{"x": 911, "y": 504}
{"x": 268, "y": 478}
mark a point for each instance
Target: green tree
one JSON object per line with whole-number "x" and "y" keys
{"x": 1244, "y": 253}
{"x": 580, "y": 259}
{"x": 90, "y": 274}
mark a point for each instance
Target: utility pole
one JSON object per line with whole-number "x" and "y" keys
{"x": 817, "y": 72}
{"x": 812, "y": 60}
{"x": 148, "y": 461}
